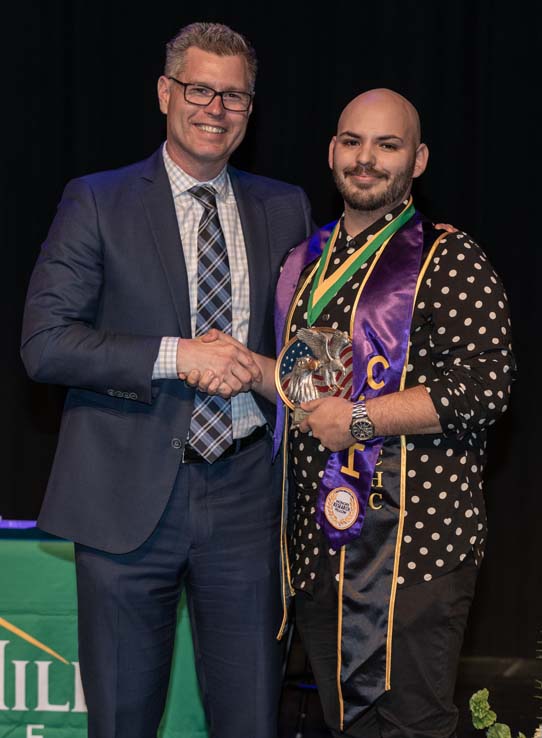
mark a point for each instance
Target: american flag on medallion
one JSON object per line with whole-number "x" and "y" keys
{"x": 299, "y": 350}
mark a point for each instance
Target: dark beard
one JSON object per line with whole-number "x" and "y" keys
{"x": 361, "y": 199}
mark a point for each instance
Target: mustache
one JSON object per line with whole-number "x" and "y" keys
{"x": 365, "y": 169}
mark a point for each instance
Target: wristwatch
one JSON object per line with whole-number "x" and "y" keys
{"x": 361, "y": 427}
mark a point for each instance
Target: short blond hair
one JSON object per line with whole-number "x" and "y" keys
{"x": 215, "y": 38}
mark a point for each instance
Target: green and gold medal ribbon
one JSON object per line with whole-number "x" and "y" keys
{"x": 325, "y": 288}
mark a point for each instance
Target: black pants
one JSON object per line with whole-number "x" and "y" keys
{"x": 429, "y": 624}
{"x": 219, "y": 540}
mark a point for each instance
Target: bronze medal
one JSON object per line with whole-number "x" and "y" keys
{"x": 341, "y": 508}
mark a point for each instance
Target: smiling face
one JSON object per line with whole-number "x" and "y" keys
{"x": 201, "y": 139}
{"x": 376, "y": 152}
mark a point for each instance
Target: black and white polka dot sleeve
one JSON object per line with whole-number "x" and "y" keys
{"x": 471, "y": 363}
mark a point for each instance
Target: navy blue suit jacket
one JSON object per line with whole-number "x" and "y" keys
{"x": 109, "y": 283}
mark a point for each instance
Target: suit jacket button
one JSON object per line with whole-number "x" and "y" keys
{"x": 132, "y": 396}
{"x": 176, "y": 443}
{"x": 111, "y": 392}
{"x": 117, "y": 393}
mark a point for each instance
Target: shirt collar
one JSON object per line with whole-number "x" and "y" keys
{"x": 360, "y": 238}
{"x": 181, "y": 182}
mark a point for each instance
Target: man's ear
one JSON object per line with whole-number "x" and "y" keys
{"x": 331, "y": 151}
{"x": 422, "y": 157}
{"x": 164, "y": 93}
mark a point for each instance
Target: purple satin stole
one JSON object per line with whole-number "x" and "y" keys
{"x": 381, "y": 328}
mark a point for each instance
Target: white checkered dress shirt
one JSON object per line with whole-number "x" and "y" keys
{"x": 246, "y": 415}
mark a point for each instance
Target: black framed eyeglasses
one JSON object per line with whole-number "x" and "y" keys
{"x": 234, "y": 100}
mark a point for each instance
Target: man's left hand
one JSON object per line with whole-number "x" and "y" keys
{"x": 329, "y": 421}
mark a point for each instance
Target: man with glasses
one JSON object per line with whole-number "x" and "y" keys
{"x": 161, "y": 486}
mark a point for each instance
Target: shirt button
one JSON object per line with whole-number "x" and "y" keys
{"x": 176, "y": 443}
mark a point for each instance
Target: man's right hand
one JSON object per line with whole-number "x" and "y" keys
{"x": 219, "y": 360}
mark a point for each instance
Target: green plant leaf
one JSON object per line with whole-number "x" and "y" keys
{"x": 482, "y": 715}
{"x": 499, "y": 730}
{"x": 520, "y": 735}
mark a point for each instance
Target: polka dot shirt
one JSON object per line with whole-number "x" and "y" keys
{"x": 460, "y": 351}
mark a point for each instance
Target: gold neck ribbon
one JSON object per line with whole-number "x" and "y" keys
{"x": 325, "y": 288}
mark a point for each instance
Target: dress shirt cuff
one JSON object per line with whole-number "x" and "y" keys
{"x": 165, "y": 366}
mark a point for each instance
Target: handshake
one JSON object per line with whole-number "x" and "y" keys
{"x": 218, "y": 364}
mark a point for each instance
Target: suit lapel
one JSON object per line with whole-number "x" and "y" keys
{"x": 158, "y": 203}
{"x": 255, "y": 232}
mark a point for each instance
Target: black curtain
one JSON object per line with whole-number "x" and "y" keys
{"x": 79, "y": 96}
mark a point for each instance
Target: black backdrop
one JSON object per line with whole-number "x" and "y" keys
{"x": 79, "y": 96}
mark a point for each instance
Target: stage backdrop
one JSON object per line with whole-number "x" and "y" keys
{"x": 40, "y": 687}
{"x": 79, "y": 96}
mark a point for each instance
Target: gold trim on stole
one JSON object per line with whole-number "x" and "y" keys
{"x": 389, "y": 637}
{"x": 339, "y": 637}
{"x": 285, "y": 573}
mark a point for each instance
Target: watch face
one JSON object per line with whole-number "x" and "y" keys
{"x": 362, "y": 430}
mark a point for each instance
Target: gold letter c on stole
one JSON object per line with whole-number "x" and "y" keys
{"x": 370, "y": 375}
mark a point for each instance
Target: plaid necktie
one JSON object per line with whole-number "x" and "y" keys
{"x": 211, "y": 424}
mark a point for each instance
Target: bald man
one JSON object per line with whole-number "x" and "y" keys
{"x": 408, "y": 331}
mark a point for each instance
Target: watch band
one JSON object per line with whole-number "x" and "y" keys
{"x": 361, "y": 426}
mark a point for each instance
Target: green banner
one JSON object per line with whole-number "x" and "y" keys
{"x": 40, "y": 686}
